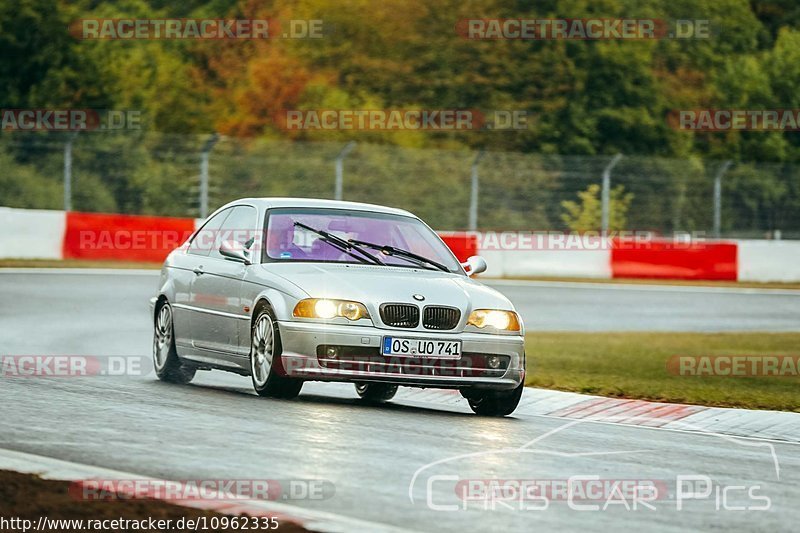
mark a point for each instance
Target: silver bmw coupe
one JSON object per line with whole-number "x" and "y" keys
{"x": 287, "y": 290}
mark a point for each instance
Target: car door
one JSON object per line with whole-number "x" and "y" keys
{"x": 186, "y": 270}
{"x": 216, "y": 291}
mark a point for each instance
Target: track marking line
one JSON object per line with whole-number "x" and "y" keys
{"x": 697, "y": 431}
{"x": 322, "y": 521}
{"x": 83, "y": 271}
{"x": 639, "y": 287}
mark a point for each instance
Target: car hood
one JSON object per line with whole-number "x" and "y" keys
{"x": 374, "y": 285}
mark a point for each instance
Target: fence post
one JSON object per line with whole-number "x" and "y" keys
{"x": 339, "y": 185}
{"x": 473, "y": 195}
{"x": 718, "y": 197}
{"x": 209, "y": 144}
{"x": 606, "y": 194}
{"x": 68, "y": 171}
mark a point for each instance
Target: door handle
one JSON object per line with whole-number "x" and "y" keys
{"x": 198, "y": 271}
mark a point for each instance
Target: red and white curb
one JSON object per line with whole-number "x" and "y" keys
{"x": 228, "y": 504}
{"x": 768, "y": 425}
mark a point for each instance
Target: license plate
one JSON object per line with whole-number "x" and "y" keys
{"x": 421, "y": 347}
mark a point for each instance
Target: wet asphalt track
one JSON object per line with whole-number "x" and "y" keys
{"x": 217, "y": 428}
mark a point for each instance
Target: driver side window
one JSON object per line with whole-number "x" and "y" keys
{"x": 205, "y": 239}
{"x": 239, "y": 227}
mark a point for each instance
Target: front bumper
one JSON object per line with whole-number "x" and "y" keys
{"x": 360, "y": 358}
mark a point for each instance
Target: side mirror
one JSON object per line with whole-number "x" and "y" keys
{"x": 474, "y": 265}
{"x": 236, "y": 251}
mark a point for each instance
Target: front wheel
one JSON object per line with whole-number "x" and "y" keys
{"x": 494, "y": 403}
{"x": 269, "y": 377}
{"x": 165, "y": 356}
{"x": 376, "y": 392}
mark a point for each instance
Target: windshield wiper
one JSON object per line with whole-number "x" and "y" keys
{"x": 399, "y": 252}
{"x": 343, "y": 245}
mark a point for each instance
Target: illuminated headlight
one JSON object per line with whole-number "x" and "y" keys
{"x": 327, "y": 309}
{"x": 502, "y": 320}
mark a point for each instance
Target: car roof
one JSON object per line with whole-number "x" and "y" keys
{"x": 267, "y": 203}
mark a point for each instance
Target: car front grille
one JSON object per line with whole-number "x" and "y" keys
{"x": 441, "y": 318}
{"x": 400, "y": 315}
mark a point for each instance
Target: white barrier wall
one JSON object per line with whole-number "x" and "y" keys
{"x": 31, "y": 233}
{"x": 520, "y": 254}
{"x": 757, "y": 260}
{"x": 548, "y": 263}
{"x": 768, "y": 260}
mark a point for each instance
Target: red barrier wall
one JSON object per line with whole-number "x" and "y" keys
{"x": 123, "y": 237}
{"x": 670, "y": 260}
{"x": 463, "y": 245}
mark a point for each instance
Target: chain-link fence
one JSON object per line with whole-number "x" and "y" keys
{"x": 148, "y": 173}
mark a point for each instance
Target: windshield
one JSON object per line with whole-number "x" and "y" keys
{"x": 287, "y": 241}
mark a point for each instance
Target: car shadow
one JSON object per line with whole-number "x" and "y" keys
{"x": 391, "y": 405}
{"x": 320, "y": 399}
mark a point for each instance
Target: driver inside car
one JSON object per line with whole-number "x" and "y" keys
{"x": 280, "y": 239}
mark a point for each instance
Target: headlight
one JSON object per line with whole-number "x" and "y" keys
{"x": 323, "y": 308}
{"x": 502, "y": 320}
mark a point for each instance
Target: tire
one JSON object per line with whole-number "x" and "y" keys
{"x": 376, "y": 392}
{"x": 266, "y": 368}
{"x": 494, "y": 403}
{"x": 166, "y": 362}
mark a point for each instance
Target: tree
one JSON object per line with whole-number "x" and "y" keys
{"x": 586, "y": 213}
